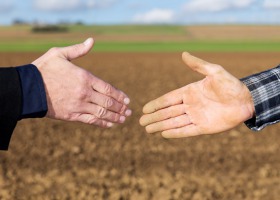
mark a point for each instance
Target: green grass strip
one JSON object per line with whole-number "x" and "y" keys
{"x": 188, "y": 46}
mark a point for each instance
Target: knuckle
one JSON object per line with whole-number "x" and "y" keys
{"x": 108, "y": 103}
{"x": 101, "y": 112}
{"x": 123, "y": 109}
{"x": 76, "y": 48}
{"x": 83, "y": 93}
{"x": 84, "y": 78}
{"x": 120, "y": 96}
{"x": 216, "y": 67}
{"x": 92, "y": 120}
{"x": 54, "y": 50}
{"x": 83, "y": 74}
{"x": 108, "y": 89}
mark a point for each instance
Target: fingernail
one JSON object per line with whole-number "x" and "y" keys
{"x": 128, "y": 113}
{"x": 109, "y": 124}
{"x": 88, "y": 41}
{"x": 126, "y": 101}
{"x": 122, "y": 119}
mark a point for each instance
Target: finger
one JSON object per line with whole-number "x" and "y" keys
{"x": 109, "y": 103}
{"x": 168, "y": 124}
{"x": 187, "y": 131}
{"x": 199, "y": 65}
{"x": 103, "y": 113}
{"x": 77, "y": 50}
{"x": 108, "y": 90}
{"x": 163, "y": 114}
{"x": 169, "y": 99}
{"x": 93, "y": 120}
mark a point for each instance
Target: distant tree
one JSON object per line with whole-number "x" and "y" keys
{"x": 20, "y": 22}
{"x": 49, "y": 29}
{"x": 80, "y": 23}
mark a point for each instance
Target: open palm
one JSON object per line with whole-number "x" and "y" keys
{"x": 217, "y": 103}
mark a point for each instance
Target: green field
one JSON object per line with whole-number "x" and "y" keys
{"x": 141, "y": 39}
{"x": 150, "y": 46}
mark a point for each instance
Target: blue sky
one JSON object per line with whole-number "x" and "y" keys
{"x": 142, "y": 12}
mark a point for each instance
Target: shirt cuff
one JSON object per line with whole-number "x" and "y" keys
{"x": 265, "y": 90}
{"x": 34, "y": 101}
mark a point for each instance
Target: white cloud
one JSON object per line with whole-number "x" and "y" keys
{"x": 99, "y": 3}
{"x": 6, "y": 6}
{"x": 216, "y": 5}
{"x": 155, "y": 16}
{"x": 57, "y": 5}
{"x": 70, "y": 5}
{"x": 271, "y": 4}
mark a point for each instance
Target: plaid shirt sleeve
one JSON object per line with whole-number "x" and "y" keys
{"x": 265, "y": 90}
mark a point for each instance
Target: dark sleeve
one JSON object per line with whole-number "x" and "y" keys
{"x": 22, "y": 95}
{"x": 34, "y": 101}
{"x": 10, "y": 104}
{"x": 265, "y": 91}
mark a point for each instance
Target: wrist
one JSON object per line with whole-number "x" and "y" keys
{"x": 249, "y": 102}
{"x": 33, "y": 92}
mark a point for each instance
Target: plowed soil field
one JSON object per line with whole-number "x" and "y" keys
{"x": 51, "y": 159}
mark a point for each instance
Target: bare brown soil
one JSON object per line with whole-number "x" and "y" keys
{"x": 254, "y": 33}
{"x": 51, "y": 159}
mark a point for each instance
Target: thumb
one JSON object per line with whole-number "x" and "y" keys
{"x": 77, "y": 50}
{"x": 199, "y": 65}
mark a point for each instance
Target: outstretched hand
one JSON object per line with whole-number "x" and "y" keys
{"x": 217, "y": 103}
{"x": 74, "y": 94}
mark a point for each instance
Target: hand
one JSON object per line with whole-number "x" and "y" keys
{"x": 74, "y": 94}
{"x": 215, "y": 104}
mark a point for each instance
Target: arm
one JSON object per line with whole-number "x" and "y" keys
{"x": 265, "y": 90}
{"x": 214, "y": 104}
{"x": 52, "y": 86}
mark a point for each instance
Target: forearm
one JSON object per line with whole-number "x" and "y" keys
{"x": 265, "y": 90}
